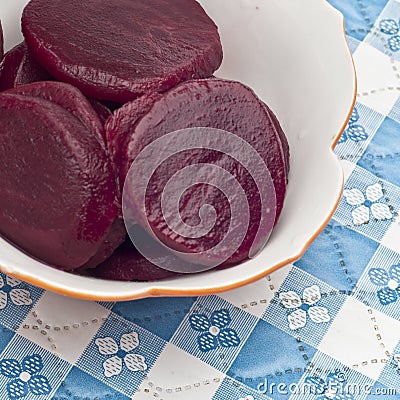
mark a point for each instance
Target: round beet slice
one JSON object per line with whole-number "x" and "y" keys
{"x": 19, "y": 68}
{"x": 58, "y": 186}
{"x": 1, "y": 42}
{"x": 122, "y": 122}
{"x": 69, "y": 98}
{"x": 127, "y": 264}
{"x": 73, "y": 101}
{"x": 120, "y": 49}
{"x": 213, "y": 103}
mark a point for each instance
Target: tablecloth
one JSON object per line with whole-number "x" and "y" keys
{"x": 326, "y": 327}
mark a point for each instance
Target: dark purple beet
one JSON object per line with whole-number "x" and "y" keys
{"x": 69, "y": 98}
{"x": 215, "y": 103}
{"x": 123, "y": 121}
{"x": 101, "y": 109}
{"x": 121, "y": 49}
{"x": 127, "y": 264}
{"x": 116, "y": 236}
{"x": 58, "y": 186}
{"x": 19, "y": 68}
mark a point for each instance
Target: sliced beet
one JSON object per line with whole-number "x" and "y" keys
{"x": 219, "y": 104}
{"x": 19, "y": 68}
{"x": 123, "y": 121}
{"x": 121, "y": 49}
{"x": 127, "y": 264}
{"x": 58, "y": 186}
{"x": 101, "y": 109}
{"x": 116, "y": 236}
{"x": 69, "y": 98}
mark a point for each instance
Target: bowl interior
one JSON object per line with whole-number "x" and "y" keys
{"x": 294, "y": 55}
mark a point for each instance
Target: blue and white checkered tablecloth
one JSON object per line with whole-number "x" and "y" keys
{"x": 327, "y": 327}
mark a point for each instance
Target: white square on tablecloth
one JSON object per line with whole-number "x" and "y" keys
{"x": 178, "y": 375}
{"x": 348, "y": 168}
{"x": 360, "y": 337}
{"x": 392, "y": 235}
{"x": 255, "y": 298}
{"x": 63, "y": 325}
{"x": 376, "y": 77}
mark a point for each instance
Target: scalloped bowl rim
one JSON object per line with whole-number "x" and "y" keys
{"x": 122, "y": 291}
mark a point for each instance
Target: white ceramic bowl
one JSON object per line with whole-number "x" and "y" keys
{"x": 294, "y": 54}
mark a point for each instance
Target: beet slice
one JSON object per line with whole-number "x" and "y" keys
{"x": 123, "y": 121}
{"x": 127, "y": 264}
{"x": 73, "y": 101}
{"x": 115, "y": 238}
{"x": 103, "y": 112}
{"x": 58, "y": 186}
{"x": 19, "y": 68}
{"x": 214, "y": 103}
{"x": 120, "y": 49}
{"x": 69, "y": 98}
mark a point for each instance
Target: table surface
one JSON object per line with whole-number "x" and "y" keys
{"x": 326, "y": 327}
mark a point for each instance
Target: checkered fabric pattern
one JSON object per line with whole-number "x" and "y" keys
{"x": 327, "y": 327}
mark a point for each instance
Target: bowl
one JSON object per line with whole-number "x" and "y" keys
{"x": 295, "y": 56}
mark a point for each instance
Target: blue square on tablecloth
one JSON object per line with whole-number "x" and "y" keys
{"x": 79, "y": 385}
{"x": 17, "y": 299}
{"x": 214, "y": 331}
{"x": 271, "y": 357}
{"x": 121, "y": 354}
{"x": 42, "y": 371}
{"x": 368, "y": 205}
{"x": 384, "y": 36}
{"x": 361, "y": 128}
{"x": 159, "y": 315}
{"x": 230, "y": 389}
{"x": 338, "y": 256}
{"x": 304, "y": 307}
{"x": 5, "y": 337}
{"x": 382, "y": 156}
{"x": 375, "y": 287}
{"x": 359, "y": 15}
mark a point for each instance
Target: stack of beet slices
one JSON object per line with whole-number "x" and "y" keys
{"x": 80, "y": 102}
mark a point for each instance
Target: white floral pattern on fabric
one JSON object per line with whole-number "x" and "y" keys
{"x": 249, "y": 397}
{"x": 121, "y": 355}
{"x": 9, "y": 291}
{"x": 368, "y": 204}
{"x": 305, "y": 306}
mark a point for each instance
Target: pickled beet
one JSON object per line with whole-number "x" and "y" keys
{"x": 123, "y": 121}
{"x": 214, "y": 103}
{"x": 69, "y": 98}
{"x": 120, "y": 49}
{"x": 19, "y": 68}
{"x": 58, "y": 186}
{"x": 101, "y": 109}
{"x": 127, "y": 264}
